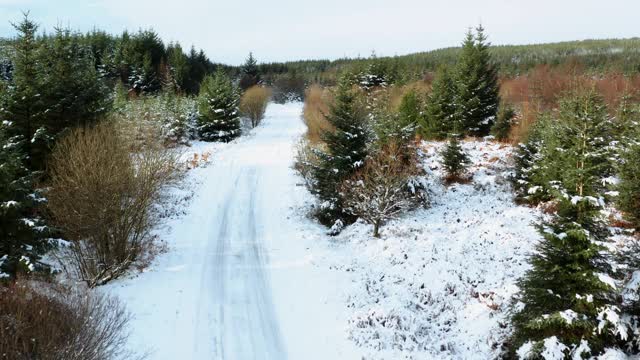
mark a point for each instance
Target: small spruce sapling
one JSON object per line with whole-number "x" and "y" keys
{"x": 502, "y": 126}
{"x": 454, "y": 160}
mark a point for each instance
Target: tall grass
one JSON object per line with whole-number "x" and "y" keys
{"x": 316, "y": 105}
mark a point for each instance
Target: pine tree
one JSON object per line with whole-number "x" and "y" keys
{"x": 438, "y": 119}
{"x": 218, "y": 115}
{"x": 502, "y": 126}
{"x": 476, "y": 86}
{"x": 21, "y": 232}
{"x": 408, "y": 116}
{"x": 23, "y": 103}
{"x": 73, "y": 90}
{"x": 566, "y": 294}
{"x": 250, "y": 73}
{"x": 346, "y": 151}
{"x": 454, "y": 160}
{"x": 629, "y": 186}
{"x": 528, "y": 180}
{"x": 399, "y": 125}
{"x": 489, "y": 90}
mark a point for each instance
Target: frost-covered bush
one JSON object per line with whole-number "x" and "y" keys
{"x": 47, "y": 322}
{"x": 383, "y": 189}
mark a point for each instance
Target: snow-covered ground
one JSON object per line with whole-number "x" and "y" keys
{"x": 247, "y": 275}
{"x": 238, "y": 278}
{"x": 438, "y": 283}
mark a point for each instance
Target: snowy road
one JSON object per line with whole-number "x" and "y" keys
{"x": 240, "y": 279}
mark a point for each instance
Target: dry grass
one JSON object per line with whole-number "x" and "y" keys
{"x": 542, "y": 87}
{"x": 47, "y": 322}
{"x": 101, "y": 197}
{"x": 254, "y": 103}
{"x": 316, "y": 104}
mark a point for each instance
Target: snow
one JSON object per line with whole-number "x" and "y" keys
{"x": 240, "y": 278}
{"x": 439, "y": 282}
{"x": 568, "y": 315}
{"x": 247, "y": 274}
{"x": 553, "y": 349}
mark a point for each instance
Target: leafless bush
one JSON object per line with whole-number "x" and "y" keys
{"x": 254, "y": 103}
{"x": 382, "y": 189}
{"x": 101, "y": 197}
{"x": 53, "y": 323}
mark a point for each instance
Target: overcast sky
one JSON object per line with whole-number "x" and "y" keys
{"x": 278, "y": 30}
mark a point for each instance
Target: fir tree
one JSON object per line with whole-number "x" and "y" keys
{"x": 73, "y": 90}
{"x": 23, "y": 103}
{"x": 250, "y": 73}
{"x": 438, "y": 118}
{"x": 629, "y": 186}
{"x": 21, "y": 232}
{"x": 502, "y": 126}
{"x": 408, "y": 115}
{"x": 476, "y": 86}
{"x": 528, "y": 181}
{"x": 218, "y": 116}
{"x": 454, "y": 160}
{"x": 566, "y": 293}
{"x": 346, "y": 151}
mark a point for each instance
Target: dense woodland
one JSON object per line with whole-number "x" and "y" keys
{"x": 90, "y": 122}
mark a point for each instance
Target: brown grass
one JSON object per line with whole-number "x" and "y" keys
{"x": 316, "y": 104}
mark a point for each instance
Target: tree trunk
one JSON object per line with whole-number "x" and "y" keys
{"x": 376, "y": 228}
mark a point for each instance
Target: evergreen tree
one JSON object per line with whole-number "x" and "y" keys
{"x": 566, "y": 294}
{"x": 346, "y": 151}
{"x": 528, "y": 182}
{"x": 218, "y": 116}
{"x": 23, "y": 103}
{"x": 408, "y": 116}
{"x": 179, "y": 65}
{"x": 73, "y": 90}
{"x": 476, "y": 84}
{"x": 396, "y": 126}
{"x": 250, "y": 73}
{"x": 502, "y": 126}
{"x": 21, "y": 232}
{"x": 438, "y": 119}
{"x": 629, "y": 186}
{"x": 454, "y": 160}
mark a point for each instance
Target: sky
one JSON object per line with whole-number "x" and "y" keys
{"x": 280, "y": 30}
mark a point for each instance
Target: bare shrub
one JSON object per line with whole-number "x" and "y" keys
{"x": 53, "y": 323}
{"x": 101, "y": 197}
{"x": 383, "y": 189}
{"x": 316, "y": 104}
{"x": 253, "y": 103}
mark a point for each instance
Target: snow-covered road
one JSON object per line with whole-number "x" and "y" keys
{"x": 239, "y": 279}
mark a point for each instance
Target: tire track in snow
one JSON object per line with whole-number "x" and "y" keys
{"x": 246, "y": 325}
